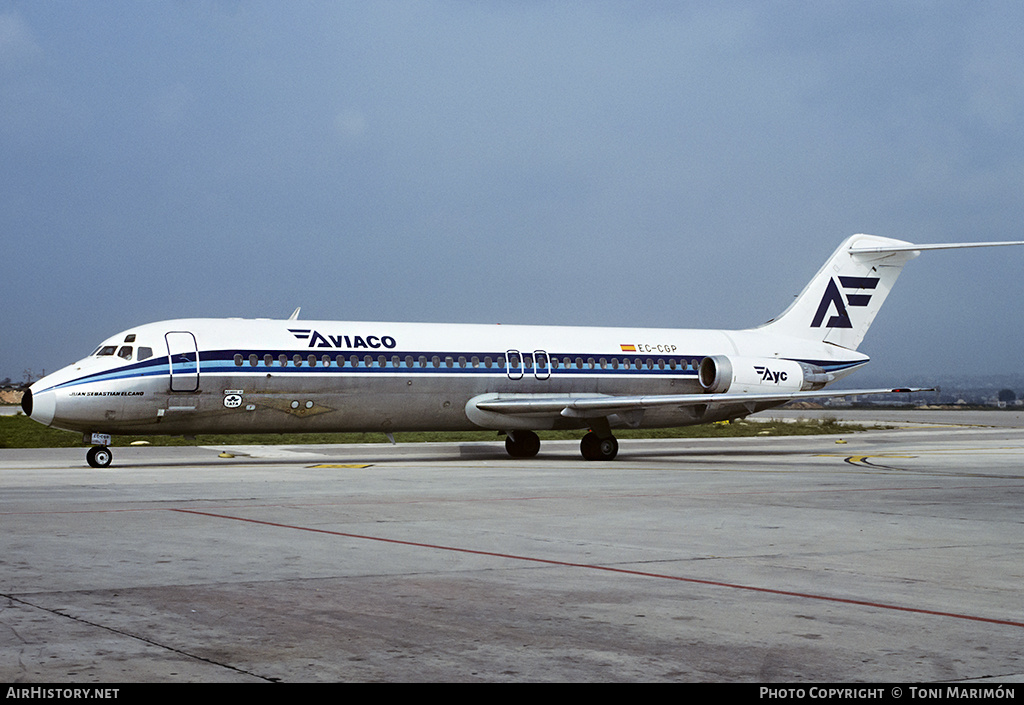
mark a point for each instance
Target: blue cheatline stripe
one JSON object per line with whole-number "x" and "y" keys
{"x": 153, "y": 367}
{"x": 222, "y": 362}
{"x": 423, "y": 362}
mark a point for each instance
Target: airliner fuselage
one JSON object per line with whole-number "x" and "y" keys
{"x": 263, "y": 376}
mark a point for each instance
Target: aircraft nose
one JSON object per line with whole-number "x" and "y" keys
{"x": 39, "y": 407}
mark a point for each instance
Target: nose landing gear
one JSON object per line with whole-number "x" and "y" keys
{"x": 99, "y": 457}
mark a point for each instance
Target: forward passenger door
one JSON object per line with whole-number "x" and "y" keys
{"x": 182, "y": 361}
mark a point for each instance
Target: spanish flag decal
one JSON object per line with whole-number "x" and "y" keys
{"x": 628, "y": 348}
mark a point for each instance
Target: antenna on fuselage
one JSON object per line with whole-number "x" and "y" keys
{"x": 295, "y": 314}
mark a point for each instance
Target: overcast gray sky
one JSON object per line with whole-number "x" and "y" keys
{"x": 588, "y": 163}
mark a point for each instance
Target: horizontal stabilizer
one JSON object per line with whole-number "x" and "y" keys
{"x": 910, "y": 247}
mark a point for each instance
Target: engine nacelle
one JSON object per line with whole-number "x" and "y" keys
{"x": 721, "y": 373}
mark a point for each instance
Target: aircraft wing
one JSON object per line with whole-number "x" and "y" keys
{"x": 597, "y": 406}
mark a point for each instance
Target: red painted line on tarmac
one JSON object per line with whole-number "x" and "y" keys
{"x": 609, "y": 569}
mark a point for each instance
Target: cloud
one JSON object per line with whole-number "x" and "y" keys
{"x": 503, "y": 156}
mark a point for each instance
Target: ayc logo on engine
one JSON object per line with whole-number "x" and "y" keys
{"x": 832, "y": 297}
{"x": 768, "y": 376}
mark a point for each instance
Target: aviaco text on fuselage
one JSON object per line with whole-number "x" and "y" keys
{"x": 190, "y": 376}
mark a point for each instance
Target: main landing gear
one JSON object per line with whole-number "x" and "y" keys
{"x": 99, "y": 457}
{"x": 522, "y": 444}
{"x": 526, "y": 444}
{"x": 594, "y": 447}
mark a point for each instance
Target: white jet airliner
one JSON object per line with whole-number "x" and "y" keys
{"x": 191, "y": 376}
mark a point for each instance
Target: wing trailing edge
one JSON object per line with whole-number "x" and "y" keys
{"x": 599, "y": 406}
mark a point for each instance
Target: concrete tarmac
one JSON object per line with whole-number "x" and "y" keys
{"x": 896, "y": 555}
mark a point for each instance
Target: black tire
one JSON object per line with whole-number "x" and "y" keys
{"x": 525, "y": 444}
{"x": 593, "y": 447}
{"x": 99, "y": 457}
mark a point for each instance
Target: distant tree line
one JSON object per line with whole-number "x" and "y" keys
{"x": 27, "y": 378}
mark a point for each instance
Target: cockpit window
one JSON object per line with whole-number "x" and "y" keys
{"x": 124, "y": 352}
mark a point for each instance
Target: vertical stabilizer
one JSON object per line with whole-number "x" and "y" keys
{"x": 841, "y": 301}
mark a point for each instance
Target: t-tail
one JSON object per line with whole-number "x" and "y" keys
{"x": 841, "y": 301}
